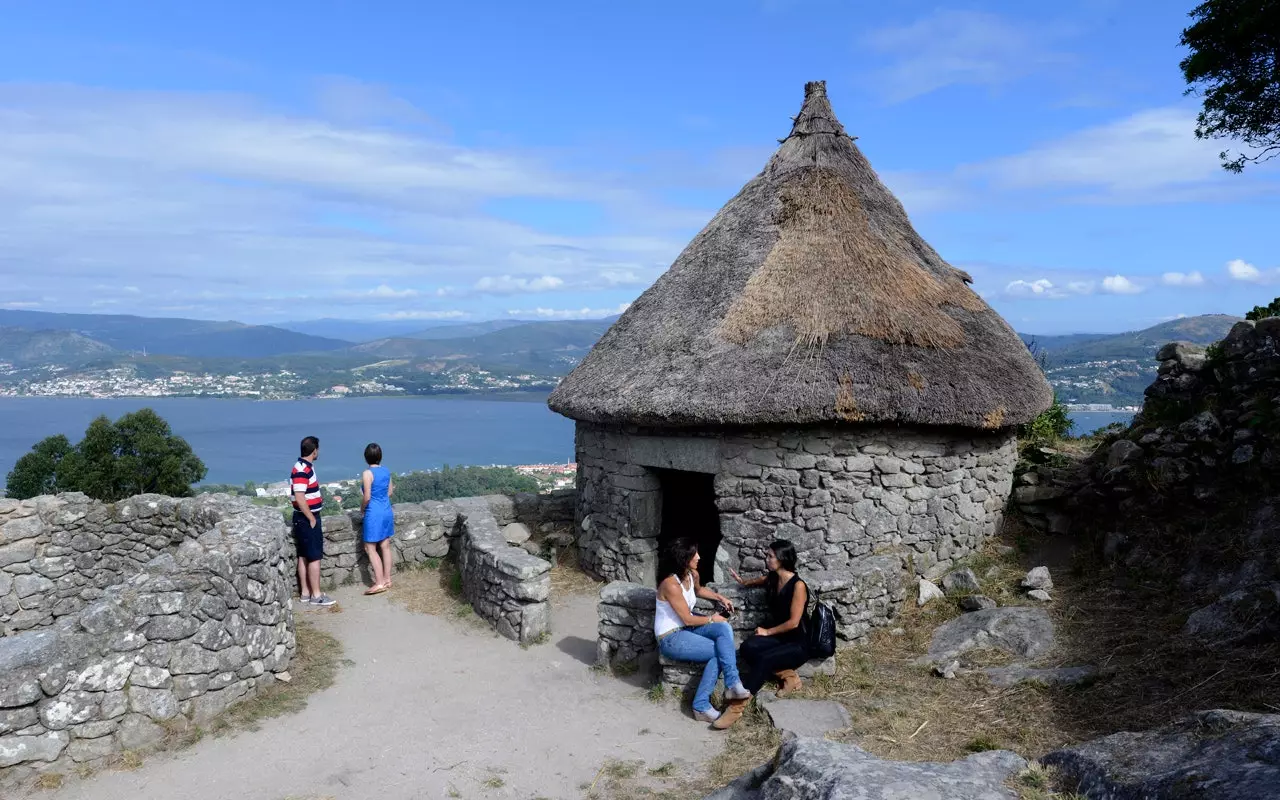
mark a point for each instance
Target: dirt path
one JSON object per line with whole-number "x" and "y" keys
{"x": 430, "y": 709}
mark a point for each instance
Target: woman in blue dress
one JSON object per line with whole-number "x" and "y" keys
{"x": 379, "y": 521}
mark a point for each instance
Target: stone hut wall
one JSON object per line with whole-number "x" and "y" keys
{"x": 505, "y": 584}
{"x": 839, "y": 494}
{"x": 189, "y": 633}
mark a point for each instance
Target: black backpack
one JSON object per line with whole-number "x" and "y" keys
{"x": 822, "y": 631}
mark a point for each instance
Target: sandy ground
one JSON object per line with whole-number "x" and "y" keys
{"x": 430, "y": 709}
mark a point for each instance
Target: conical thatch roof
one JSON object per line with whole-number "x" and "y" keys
{"x": 808, "y": 299}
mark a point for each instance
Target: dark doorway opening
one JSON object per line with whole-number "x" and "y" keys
{"x": 689, "y": 509}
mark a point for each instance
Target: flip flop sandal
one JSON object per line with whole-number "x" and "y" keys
{"x": 379, "y": 589}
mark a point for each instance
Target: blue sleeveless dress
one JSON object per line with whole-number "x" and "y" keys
{"x": 378, "y": 522}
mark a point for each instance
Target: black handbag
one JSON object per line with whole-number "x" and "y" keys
{"x": 822, "y": 631}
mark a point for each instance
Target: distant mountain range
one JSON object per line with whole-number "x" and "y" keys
{"x": 356, "y": 331}
{"x": 174, "y": 336}
{"x": 464, "y": 356}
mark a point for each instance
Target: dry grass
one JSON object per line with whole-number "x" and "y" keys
{"x": 1037, "y": 782}
{"x": 49, "y": 781}
{"x": 436, "y": 591}
{"x": 568, "y": 578}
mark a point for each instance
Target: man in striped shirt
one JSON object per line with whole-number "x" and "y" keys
{"x": 307, "y": 502}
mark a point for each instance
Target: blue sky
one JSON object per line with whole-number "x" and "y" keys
{"x": 400, "y": 160}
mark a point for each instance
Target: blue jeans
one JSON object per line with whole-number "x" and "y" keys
{"x": 712, "y": 643}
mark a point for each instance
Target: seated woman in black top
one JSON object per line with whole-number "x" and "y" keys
{"x": 779, "y": 647}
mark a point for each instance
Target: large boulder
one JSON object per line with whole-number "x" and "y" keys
{"x": 816, "y": 769}
{"x": 1245, "y": 615}
{"x": 1211, "y": 755}
{"x": 1021, "y": 631}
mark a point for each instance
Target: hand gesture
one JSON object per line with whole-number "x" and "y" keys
{"x": 726, "y": 602}
{"x": 734, "y": 574}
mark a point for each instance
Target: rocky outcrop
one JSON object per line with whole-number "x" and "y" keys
{"x": 817, "y": 769}
{"x": 1212, "y": 755}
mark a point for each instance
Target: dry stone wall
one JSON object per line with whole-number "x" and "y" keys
{"x": 839, "y": 494}
{"x": 198, "y": 627}
{"x": 59, "y": 553}
{"x": 505, "y": 584}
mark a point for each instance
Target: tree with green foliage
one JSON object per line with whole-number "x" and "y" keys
{"x": 137, "y": 454}
{"x": 1262, "y": 312}
{"x": 460, "y": 482}
{"x": 36, "y": 473}
{"x": 1235, "y": 65}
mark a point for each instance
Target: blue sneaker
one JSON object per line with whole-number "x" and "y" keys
{"x": 323, "y": 601}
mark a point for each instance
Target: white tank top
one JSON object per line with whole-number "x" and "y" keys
{"x": 665, "y": 618}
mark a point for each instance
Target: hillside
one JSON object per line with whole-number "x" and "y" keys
{"x": 174, "y": 336}
{"x": 1140, "y": 345}
{"x": 22, "y": 347}
{"x": 1115, "y": 369}
{"x": 528, "y": 343}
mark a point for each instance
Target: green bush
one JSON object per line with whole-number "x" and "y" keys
{"x": 1052, "y": 425}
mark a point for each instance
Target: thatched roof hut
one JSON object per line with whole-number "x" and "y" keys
{"x": 809, "y": 298}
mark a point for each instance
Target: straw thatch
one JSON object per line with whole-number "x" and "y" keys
{"x": 808, "y": 299}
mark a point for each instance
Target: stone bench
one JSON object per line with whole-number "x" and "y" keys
{"x": 680, "y": 678}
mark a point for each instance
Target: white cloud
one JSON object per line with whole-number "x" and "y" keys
{"x": 1148, "y": 157}
{"x": 1146, "y": 151}
{"x": 16, "y": 304}
{"x": 384, "y": 292}
{"x": 1182, "y": 279}
{"x": 620, "y": 277}
{"x": 506, "y": 284}
{"x": 1242, "y": 270}
{"x": 153, "y": 188}
{"x": 569, "y": 313}
{"x": 1037, "y": 288}
{"x": 1119, "y": 284}
{"x": 952, "y": 47}
{"x": 1046, "y": 289}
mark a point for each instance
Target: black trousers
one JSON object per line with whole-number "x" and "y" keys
{"x": 760, "y": 657}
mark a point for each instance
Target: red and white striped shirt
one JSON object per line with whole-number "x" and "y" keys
{"x": 303, "y": 479}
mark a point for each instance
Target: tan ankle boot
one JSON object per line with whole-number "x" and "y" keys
{"x": 731, "y": 714}
{"x": 790, "y": 682}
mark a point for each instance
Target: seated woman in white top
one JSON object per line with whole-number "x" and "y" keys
{"x": 685, "y": 636}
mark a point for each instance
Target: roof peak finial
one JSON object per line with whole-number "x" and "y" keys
{"x": 815, "y": 114}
